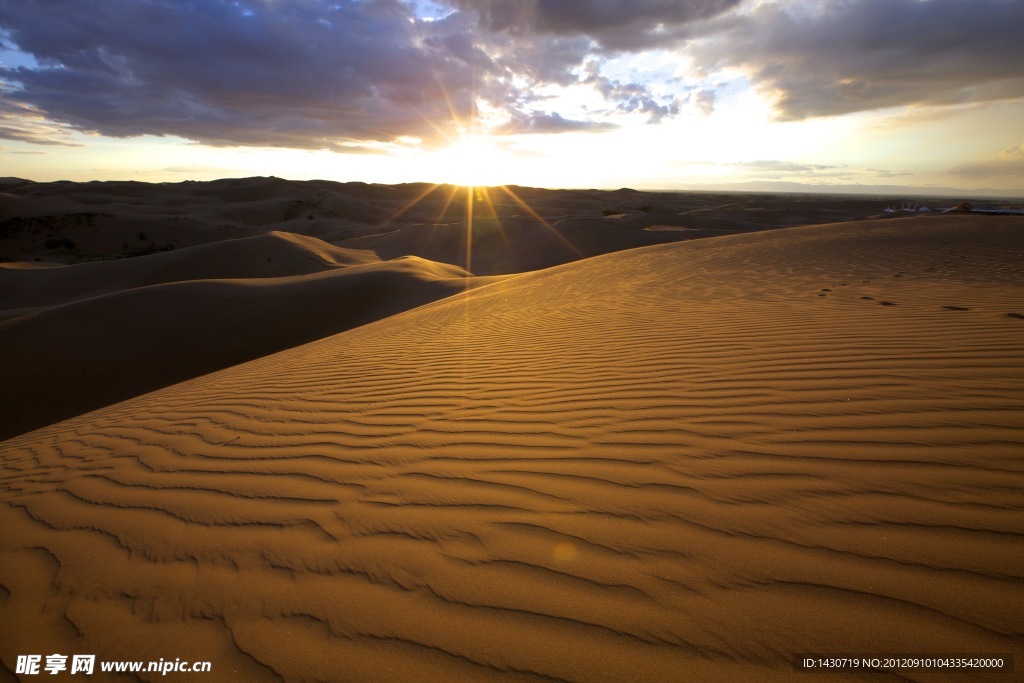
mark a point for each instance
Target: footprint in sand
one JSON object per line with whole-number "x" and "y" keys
{"x": 956, "y": 308}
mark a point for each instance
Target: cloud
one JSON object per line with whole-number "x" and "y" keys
{"x": 314, "y": 74}
{"x": 883, "y": 173}
{"x": 633, "y": 25}
{"x": 630, "y": 97}
{"x": 24, "y": 123}
{"x": 1008, "y": 163}
{"x": 833, "y": 57}
{"x": 354, "y": 76}
{"x": 549, "y": 122}
{"x": 194, "y": 169}
{"x": 293, "y": 74}
{"x": 778, "y": 169}
{"x": 705, "y": 101}
{"x": 788, "y": 167}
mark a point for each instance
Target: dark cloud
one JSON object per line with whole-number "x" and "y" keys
{"x": 540, "y": 59}
{"x": 549, "y": 122}
{"x": 841, "y": 56}
{"x": 347, "y": 75}
{"x": 614, "y": 25}
{"x": 293, "y": 74}
{"x": 308, "y": 74}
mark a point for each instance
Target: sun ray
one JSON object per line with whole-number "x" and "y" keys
{"x": 409, "y": 204}
{"x": 447, "y": 203}
{"x": 469, "y": 229}
{"x": 452, "y": 113}
{"x": 540, "y": 219}
{"x": 486, "y": 194}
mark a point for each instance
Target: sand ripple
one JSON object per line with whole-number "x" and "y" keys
{"x": 674, "y": 463}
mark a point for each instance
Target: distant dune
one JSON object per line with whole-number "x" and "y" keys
{"x": 107, "y": 331}
{"x": 689, "y": 461}
{"x": 67, "y": 222}
{"x": 274, "y": 254}
{"x": 511, "y": 245}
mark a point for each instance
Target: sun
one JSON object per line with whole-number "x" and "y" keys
{"x": 471, "y": 161}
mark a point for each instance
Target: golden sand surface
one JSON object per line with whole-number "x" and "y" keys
{"x": 688, "y": 461}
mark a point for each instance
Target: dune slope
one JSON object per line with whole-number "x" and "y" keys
{"x": 67, "y": 360}
{"x": 275, "y": 254}
{"x": 685, "y": 462}
{"x": 507, "y": 245}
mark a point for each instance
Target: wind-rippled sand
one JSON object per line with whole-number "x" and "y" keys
{"x": 683, "y": 462}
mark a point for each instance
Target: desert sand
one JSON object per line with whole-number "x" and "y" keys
{"x": 684, "y": 461}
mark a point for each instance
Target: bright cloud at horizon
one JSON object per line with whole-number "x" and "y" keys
{"x": 658, "y": 94}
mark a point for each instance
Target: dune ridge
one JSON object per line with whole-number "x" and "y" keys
{"x": 92, "y": 334}
{"x": 688, "y": 461}
{"x": 274, "y": 254}
{"x": 507, "y": 245}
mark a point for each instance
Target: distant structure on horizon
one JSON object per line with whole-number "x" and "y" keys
{"x": 909, "y": 207}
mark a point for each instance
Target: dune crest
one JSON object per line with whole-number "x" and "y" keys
{"x": 274, "y": 254}
{"x": 507, "y": 245}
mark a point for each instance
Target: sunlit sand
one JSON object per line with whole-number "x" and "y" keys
{"x": 325, "y": 447}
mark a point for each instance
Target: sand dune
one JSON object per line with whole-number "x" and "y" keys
{"x": 509, "y": 245}
{"x": 69, "y": 222}
{"x": 684, "y": 462}
{"x": 275, "y": 254}
{"x": 91, "y": 352}
{"x": 82, "y": 336}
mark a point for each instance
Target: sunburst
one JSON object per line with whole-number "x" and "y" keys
{"x": 470, "y": 161}
{"x": 471, "y": 165}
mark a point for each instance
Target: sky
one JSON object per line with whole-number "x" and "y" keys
{"x": 649, "y": 94}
